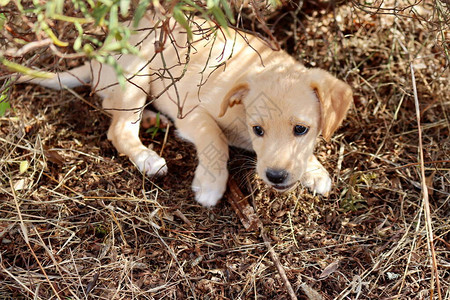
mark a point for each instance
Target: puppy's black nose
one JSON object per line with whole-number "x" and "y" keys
{"x": 276, "y": 176}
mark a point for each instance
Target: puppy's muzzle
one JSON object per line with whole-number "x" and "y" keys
{"x": 277, "y": 177}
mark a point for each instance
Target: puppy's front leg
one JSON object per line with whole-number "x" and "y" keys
{"x": 316, "y": 178}
{"x": 211, "y": 175}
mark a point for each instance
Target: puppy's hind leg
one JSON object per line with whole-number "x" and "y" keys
{"x": 126, "y": 106}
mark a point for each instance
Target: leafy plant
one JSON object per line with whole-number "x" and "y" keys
{"x": 106, "y": 14}
{"x": 157, "y": 127}
{"x": 352, "y": 200}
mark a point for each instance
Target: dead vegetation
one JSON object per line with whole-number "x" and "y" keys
{"x": 77, "y": 220}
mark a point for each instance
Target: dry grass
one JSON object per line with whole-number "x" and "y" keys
{"x": 79, "y": 221}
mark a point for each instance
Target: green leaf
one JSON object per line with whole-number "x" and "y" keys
{"x": 195, "y": 7}
{"x": 88, "y": 49}
{"x": 51, "y": 35}
{"x": 4, "y": 2}
{"x": 59, "y": 6}
{"x": 72, "y": 19}
{"x": 212, "y": 3}
{"x": 112, "y": 46}
{"x": 220, "y": 17}
{"x": 275, "y": 3}
{"x": 99, "y": 14}
{"x": 228, "y": 11}
{"x": 2, "y": 20}
{"x": 124, "y": 7}
{"x": 91, "y": 3}
{"x": 50, "y": 8}
{"x": 81, "y": 6}
{"x": 158, "y": 122}
{"x": 4, "y": 102}
{"x": 140, "y": 12}
{"x": 179, "y": 16}
{"x": 15, "y": 67}
{"x": 118, "y": 36}
{"x": 79, "y": 39}
{"x": 113, "y": 17}
{"x": 107, "y": 3}
{"x": 77, "y": 43}
{"x": 93, "y": 40}
{"x": 4, "y": 106}
{"x": 23, "y": 166}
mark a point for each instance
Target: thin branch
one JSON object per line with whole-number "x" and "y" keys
{"x": 29, "y": 47}
{"x": 426, "y": 202}
{"x": 278, "y": 264}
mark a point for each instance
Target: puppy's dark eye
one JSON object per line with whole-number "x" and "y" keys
{"x": 258, "y": 130}
{"x": 300, "y": 130}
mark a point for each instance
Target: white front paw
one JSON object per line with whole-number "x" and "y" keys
{"x": 208, "y": 187}
{"x": 207, "y": 197}
{"x": 150, "y": 163}
{"x": 317, "y": 180}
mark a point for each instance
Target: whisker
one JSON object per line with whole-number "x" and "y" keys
{"x": 311, "y": 170}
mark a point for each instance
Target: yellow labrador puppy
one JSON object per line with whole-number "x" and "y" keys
{"x": 221, "y": 89}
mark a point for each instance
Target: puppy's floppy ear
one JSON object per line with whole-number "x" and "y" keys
{"x": 233, "y": 97}
{"x": 335, "y": 97}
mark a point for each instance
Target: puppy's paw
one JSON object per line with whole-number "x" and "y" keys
{"x": 150, "y": 163}
{"x": 206, "y": 196}
{"x": 317, "y": 180}
{"x": 209, "y": 189}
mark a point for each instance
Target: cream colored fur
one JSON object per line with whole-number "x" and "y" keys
{"x": 231, "y": 84}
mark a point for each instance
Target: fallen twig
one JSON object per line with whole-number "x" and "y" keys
{"x": 29, "y": 47}
{"x": 278, "y": 264}
{"x": 251, "y": 221}
{"x": 180, "y": 215}
{"x": 243, "y": 209}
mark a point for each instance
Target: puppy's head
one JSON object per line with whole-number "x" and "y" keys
{"x": 287, "y": 107}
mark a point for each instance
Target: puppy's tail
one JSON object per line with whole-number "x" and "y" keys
{"x": 76, "y": 77}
